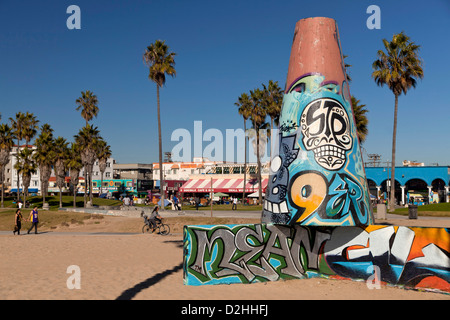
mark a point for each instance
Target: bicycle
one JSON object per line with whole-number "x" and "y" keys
{"x": 161, "y": 228}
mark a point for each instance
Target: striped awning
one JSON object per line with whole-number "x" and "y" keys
{"x": 203, "y": 185}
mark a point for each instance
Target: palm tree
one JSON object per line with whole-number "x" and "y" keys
{"x": 258, "y": 118}
{"x": 103, "y": 154}
{"x": 45, "y": 157}
{"x": 87, "y": 139}
{"x": 18, "y": 125}
{"x": 273, "y": 100}
{"x": 273, "y": 96}
{"x": 398, "y": 68}
{"x": 245, "y": 110}
{"x": 88, "y": 104}
{"x": 74, "y": 165}
{"x": 61, "y": 155}
{"x": 30, "y": 127}
{"x": 361, "y": 120}
{"x": 160, "y": 62}
{"x": 26, "y": 167}
{"x": 6, "y": 145}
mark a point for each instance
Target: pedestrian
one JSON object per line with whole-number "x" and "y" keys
{"x": 197, "y": 202}
{"x": 175, "y": 202}
{"x": 17, "y": 222}
{"x": 234, "y": 203}
{"x": 34, "y": 220}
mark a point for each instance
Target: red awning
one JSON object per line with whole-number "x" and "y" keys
{"x": 222, "y": 185}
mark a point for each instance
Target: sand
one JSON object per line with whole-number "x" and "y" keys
{"x": 141, "y": 266}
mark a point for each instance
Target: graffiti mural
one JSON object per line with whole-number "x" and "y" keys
{"x": 407, "y": 256}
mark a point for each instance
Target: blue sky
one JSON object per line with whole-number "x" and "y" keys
{"x": 224, "y": 48}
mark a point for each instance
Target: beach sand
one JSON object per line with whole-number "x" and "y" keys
{"x": 142, "y": 266}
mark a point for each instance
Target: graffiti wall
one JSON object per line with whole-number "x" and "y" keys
{"x": 317, "y": 175}
{"x": 407, "y": 256}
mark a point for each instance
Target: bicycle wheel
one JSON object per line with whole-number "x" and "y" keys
{"x": 146, "y": 228}
{"x": 165, "y": 229}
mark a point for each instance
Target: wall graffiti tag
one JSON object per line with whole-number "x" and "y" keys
{"x": 411, "y": 257}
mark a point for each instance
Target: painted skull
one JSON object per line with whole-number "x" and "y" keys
{"x": 325, "y": 127}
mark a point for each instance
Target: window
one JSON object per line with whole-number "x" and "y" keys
{"x": 108, "y": 174}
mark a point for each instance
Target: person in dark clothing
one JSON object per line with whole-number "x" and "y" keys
{"x": 155, "y": 218}
{"x": 34, "y": 220}
{"x": 17, "y": 222}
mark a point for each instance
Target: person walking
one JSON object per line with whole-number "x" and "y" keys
{"x": 17, "y": 222}
{"x": 234, "y": 207}
{"x": 34, "y": 220}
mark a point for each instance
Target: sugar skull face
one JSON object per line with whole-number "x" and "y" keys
{"x": 326, "y": 131}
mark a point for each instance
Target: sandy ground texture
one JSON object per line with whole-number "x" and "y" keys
{"x": 142, "y": 266}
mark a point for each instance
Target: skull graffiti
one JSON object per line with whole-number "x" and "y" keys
{"x": 325, "y": 127}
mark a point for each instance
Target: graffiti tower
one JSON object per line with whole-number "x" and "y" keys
{"x": 317, "y": 177}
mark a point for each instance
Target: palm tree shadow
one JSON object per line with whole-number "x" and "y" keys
{"x": 132, "y": 292}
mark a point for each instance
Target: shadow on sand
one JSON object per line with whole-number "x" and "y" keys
{"x": 132, "y": 292}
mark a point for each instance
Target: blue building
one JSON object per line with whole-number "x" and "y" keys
{"x": 424, "y": 184}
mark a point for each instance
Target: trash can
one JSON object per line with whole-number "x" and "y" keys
{"x": 412, "y": 211}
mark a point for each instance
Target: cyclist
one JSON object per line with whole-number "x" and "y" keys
{"x": 155, "y": 218}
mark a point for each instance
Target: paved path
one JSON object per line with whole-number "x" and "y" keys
{"x": 217, "y": 214}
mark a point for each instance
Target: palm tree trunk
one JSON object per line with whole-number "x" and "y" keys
{"x": 90, "y": 187}
{"x": 394, "y": 137}
{"x": 259, "y": 164}
{"x": 161, "y": 180}
{"x": 245, "y": 161}
{"x": 2, "y": 173}
{"x": 74, "y": 196}
{"x": 60, "y": 197}
{"x": 271, "y": 141}
{"x": 101, "y": 183}
{"x": 18, "y": 178}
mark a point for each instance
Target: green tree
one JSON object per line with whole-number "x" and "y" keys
{"x": 398, "y": 68}
{"x": 6, "y": 145}
{"x": 18, "y": 125}
{"x": 88, "y": 103}
{"x": 103, "y": 154}
{"x": 273, "y": 100}
{"x": 245, "y": 110}
{"x": 160, "y": 63}
{"x": 26, "y": 167}
{"x": 74, "y": 165}
{"x": 44, "y": 156}
{"x": 87, "y": 139}
{"x": 61, "y": 150}
{"x": 361, "y": 120}
{"x": 258, "y": 118}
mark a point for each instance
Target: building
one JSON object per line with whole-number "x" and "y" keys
{"x": 132, "y": 178}
{"x": 426, "y": 184}
{"x": 96, "y": 174}
{"x": 228, "y": 178}
{"x": 142, "y": 171}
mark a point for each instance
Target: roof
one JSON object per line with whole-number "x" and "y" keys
{"x": 231, "y": 185}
